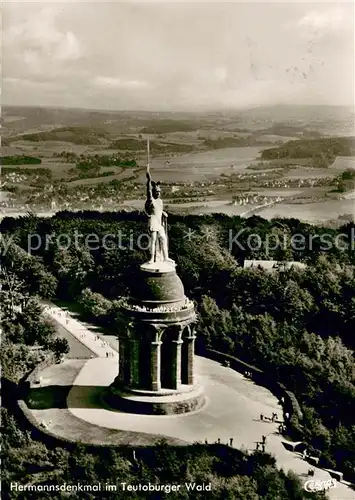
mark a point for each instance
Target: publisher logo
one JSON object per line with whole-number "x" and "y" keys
{"x": 313, "y": 485}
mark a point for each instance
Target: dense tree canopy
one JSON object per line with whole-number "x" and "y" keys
{"x": 296, "y": 324}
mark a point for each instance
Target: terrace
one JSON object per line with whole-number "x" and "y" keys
{"x": 166, "y": 312}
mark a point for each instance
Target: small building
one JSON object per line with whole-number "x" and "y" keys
{"x": 274, "y": 265}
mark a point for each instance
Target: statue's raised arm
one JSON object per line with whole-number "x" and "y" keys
{"x": 149, "y": 185}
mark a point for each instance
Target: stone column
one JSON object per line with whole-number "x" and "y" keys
{"x": 155, "y": 365}
{"x": 122, "y": 362}
{"x": 134, "y": 363}
{"x": 190, "y": 359}
{"x": 176, "y": 364}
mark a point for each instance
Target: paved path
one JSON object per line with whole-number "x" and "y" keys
{"x": 94, "y": 342}
{"x": 63, "y": 424}
{"x": 233, "y": 407}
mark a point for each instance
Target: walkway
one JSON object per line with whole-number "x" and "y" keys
{"x": 233, "y": 407}
{"x": 94, "y": 342}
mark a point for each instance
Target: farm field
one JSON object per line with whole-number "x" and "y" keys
{"x": 343, "y": 162}
{"x": 309, "y": 173}
{"x": 121, "y": 175}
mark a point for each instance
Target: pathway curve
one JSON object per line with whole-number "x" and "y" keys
{"x": 233, "y": 407}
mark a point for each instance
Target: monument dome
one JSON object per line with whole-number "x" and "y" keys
{"x": 153, "y": 287}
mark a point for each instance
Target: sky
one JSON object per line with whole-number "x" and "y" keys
{"x": 177, "y": 55}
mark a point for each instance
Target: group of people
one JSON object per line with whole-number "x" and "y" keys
{"x": 261, "y": 444}
{"x": 109, "y": 354}
{"x": 82, "y": 335}
{"x": 228, "y": 443}
{"x": 158, "y": 309}
{"x": 273, "y": 418}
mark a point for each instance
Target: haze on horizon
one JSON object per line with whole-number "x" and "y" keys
{"x": 177, "y": 56}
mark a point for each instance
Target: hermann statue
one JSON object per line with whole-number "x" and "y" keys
{"x": 156, "y": 222}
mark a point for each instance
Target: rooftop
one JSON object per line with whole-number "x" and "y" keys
{"x": 271, "y": 265}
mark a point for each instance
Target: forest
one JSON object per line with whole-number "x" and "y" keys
{"x": 20, "y": 160}
{"x": 76, "y": 135}
{"x": 298, "y": 325}
{"x": 323, "y": 148}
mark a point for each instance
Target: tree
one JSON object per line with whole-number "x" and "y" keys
{"x": 13, "y": 292}
{"x": 73, "y": 267}
{"x": 18, "y": 360}
{"x": 36, "y": 329}
{"x": 60, "y": 347}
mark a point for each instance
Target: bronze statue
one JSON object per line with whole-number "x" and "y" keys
{"x": 157, "y": 220}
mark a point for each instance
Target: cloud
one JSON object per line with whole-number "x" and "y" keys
{"x": 69, "y": 48}
{"x": 220, "y": 74}
{"x": 108, "y": 81}
{"x": 26, "y": 84}
{"x": 332, "y": 19}
{"x": 127, "y": 55}
{"x": 39, "y": 44}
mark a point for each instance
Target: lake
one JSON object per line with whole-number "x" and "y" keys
{"x": 205, "y": 165}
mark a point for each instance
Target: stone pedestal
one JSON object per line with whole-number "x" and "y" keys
{"x": 156, "y": 362}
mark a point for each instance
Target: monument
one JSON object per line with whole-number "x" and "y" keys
{"x": 156, "y": 350}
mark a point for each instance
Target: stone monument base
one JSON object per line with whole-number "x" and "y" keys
{"x": 159, "y": 267}
{"x": 164, "y": 402}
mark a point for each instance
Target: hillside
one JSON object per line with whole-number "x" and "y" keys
{"x": 327, "y": 148}
{"x": 75, "y": 135}
{"x": 20, "y": 119}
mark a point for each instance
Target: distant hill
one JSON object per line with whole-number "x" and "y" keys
{"x": 327, "y": 120}
{"x": 284, "y": 130}
{"x": 294, "y": 113}
{"x": 75, "y": 135}
{"x": 164, "y": 126}
{"x": 324, "y": 148}
{"x": 112, "y": 121}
